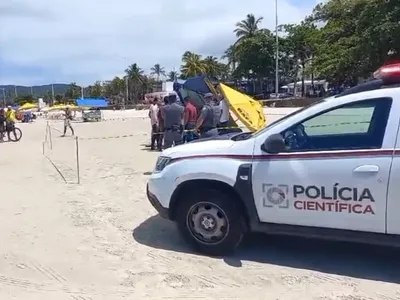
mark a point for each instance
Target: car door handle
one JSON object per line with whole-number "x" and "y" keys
{"x": 366, "y": 169}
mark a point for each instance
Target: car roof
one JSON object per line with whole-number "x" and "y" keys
{"x": 372, "y": 85}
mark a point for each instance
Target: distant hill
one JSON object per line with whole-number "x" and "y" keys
{"x": 37, "y": 90}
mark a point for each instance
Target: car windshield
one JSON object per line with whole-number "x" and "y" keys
{"x": 269, "y": 126}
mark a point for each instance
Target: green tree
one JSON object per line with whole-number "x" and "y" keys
{"x": 255, "y": 55}
{"x": 158, "y": 71}
{"x": 134, "y": 72}
{"x": 73, "y": 92}
{"x": 59, "y": 98}
{"x": 48, "y": 97}
{"x": 96, "y": 90}
{"x": 247, "y": 27}
{"x": 212, "y": 66}
{"x": 116, "y": 87}
{"x": 148, "y": 85}
{"x": 224, "y": 72}
{"x": 135, "y": 82}
{"x": 301, "y": 47}
{"x": 230, "y": 56}
{"x": 357, "y": 38}
{"x": 115, "y": 91}
{"x": 172, "y": 75}
{"x": 192, "y": 65}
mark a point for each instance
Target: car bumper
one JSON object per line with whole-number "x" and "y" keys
{"x": 163, "y": 211}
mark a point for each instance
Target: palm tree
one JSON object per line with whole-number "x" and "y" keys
{"x": 172, "y": 75}
{"x": 224, "y": 72}
{"x": 158, "y": 71}
{"x": 247, "y": 27}
{"x": 192, "y": 65}
{"x": 211, "y": 66}
{"x": 147, "y": 86}
{"x": 73, "y": 92}
{"x": 115, "y": 90}
{"x": 96, "y": 90}
{"x": 134, "y": 72}
{"x": 135, "y": 81}
{"x": 117, "y": 86}
{"x": 230, "y": 55}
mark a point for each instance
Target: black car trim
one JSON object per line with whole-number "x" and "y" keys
{"x": 244, "y": 188}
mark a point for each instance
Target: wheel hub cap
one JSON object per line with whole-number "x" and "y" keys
{"x": 208, "y": 223}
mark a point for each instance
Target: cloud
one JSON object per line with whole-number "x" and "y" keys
{"x": 22, "y": 10}
{"x": 84, "y": 41}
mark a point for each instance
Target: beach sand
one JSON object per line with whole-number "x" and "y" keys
{"x": 102, "y": 239}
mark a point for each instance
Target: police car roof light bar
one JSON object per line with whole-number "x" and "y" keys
{"x": 390, "y": 74}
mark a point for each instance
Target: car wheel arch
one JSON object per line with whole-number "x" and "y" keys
{"x": 200, "y": 184}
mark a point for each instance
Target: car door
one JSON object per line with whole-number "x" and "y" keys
{"x": 393, "y": 203}
{"x": 334, "y": 173}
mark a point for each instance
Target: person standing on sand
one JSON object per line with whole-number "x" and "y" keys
{"x": 224, "y": 119}
{"x": 153, "y": 112}
{"x": 67, "y": 121}
{"x": 173, "y": 122}
{"x": 2, "y": 124}
{"x": 190, "y": 118}
{"x": 160, "y": 118}
{"x": 207, "y": 122}
{"x": 10, "y": 121}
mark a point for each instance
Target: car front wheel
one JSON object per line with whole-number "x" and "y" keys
{"x": 211, "y": 222}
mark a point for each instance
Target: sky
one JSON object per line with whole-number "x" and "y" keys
{"x": 63, "y": 41}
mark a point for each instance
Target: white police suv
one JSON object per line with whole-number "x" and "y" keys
{"x": 329, "y": 170}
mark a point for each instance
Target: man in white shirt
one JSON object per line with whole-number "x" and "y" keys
{"x": 224, "y": 107}
{"x": 153, "y": 115}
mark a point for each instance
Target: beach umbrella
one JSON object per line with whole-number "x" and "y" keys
{"x": 28, "y": 106}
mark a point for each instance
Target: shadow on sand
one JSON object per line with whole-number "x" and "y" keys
{"x": 347, "y": 259}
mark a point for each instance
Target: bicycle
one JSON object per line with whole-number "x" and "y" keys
{"x": 15, "y": 134}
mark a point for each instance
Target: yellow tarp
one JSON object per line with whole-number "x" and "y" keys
{"x": 28, "y": 106}
{"x": 247, "y": 110}
{"x": 63, "y": 106}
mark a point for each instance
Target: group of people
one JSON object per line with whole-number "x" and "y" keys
{"x": 7, "y": 122}
{"x": 174, "y": 124}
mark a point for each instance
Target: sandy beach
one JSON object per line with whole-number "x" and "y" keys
{"x": 101, "y": 239}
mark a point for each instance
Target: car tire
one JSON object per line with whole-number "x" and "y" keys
{"x": 229, "y": 209}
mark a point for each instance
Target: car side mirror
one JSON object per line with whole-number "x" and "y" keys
{"x": 274, "y": 144}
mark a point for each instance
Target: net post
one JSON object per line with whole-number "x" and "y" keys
{"x": 47, "y": 131}
{"x": 77, "y": 159}
{"x": 50, "y": 138}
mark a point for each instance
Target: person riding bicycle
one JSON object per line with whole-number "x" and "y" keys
{"x": 10, "y": 122}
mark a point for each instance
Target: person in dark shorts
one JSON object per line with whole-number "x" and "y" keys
{"x": 161, "y": 127}
{"x": 173, "y": 122}
{"x": 207, "y": 122}
{"x": 10, "y": 122}
{"x": 153, "y": 112}
{"x": 189, "y": 120}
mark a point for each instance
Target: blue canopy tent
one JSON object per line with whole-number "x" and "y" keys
{"x": 92, "y": 102}
{"x": 198, "y": 84}
{"x": 195, "y": 88}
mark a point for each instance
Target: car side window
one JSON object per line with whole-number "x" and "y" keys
{"x": 358, "y": 125}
